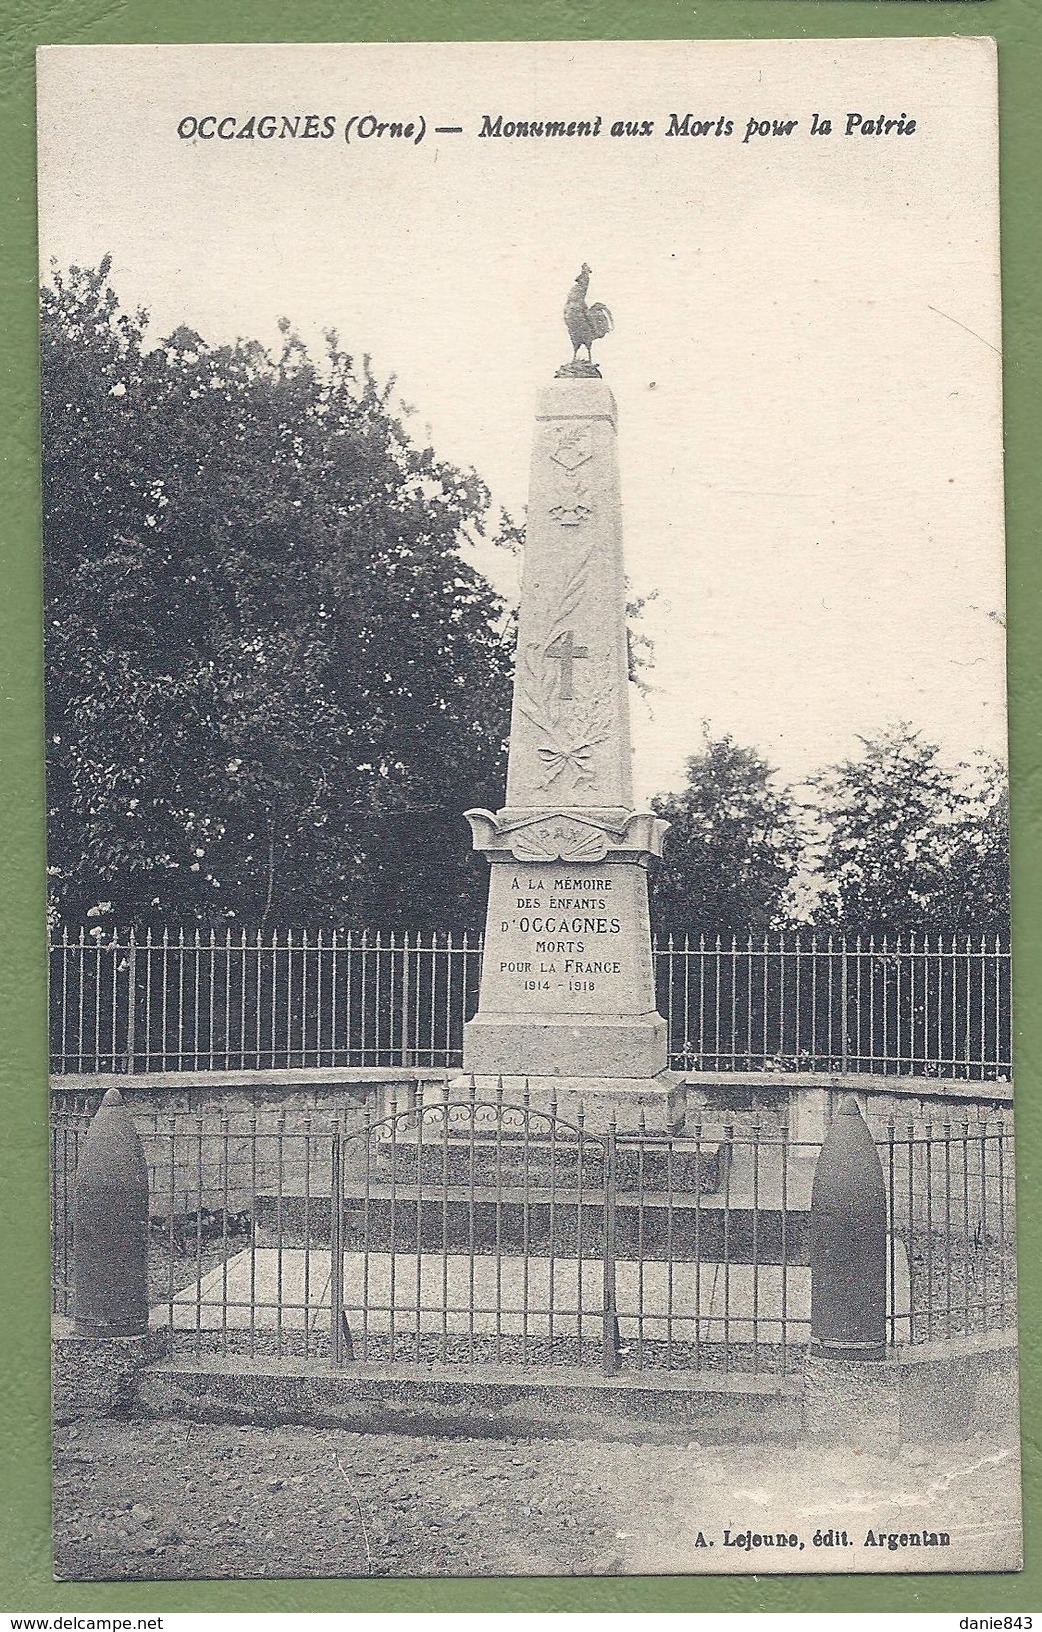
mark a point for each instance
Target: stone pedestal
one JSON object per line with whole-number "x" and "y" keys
{"x": 658, "y": 1103}
{"x": 98, "y": 1376}
{"x": 853, "y": 1402}
{"x": 567, "y": 986}
{"x": 809, "y": 1114}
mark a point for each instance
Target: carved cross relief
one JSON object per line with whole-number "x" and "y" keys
{"x": 566, "y": 651}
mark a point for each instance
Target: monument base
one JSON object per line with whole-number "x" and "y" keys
{"x": 595, "y": 1045}
{"x": 661, "y": 1099}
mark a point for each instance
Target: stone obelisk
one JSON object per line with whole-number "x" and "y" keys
{"x": 567, "y": 986}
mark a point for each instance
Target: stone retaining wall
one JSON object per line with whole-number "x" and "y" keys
{"x": 940, "y": 1392}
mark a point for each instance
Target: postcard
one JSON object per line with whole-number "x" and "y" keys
{"x": 530, "y": 997}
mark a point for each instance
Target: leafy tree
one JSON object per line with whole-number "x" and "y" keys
{"x": 909, "y": 843}
{"x": 274, "y": 679}
{"x": 979, "y": 879}
{"x": 734, "y": 848}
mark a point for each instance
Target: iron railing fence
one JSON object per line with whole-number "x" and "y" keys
{"x": 237, "y": 1201}
{"x": 932, "y": 1006}
{"x": 477, "y": 1230}
{"x": 199, "y": 1001}
{"x": 951, "y": 1225}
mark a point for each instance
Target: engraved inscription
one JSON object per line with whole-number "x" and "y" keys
{"x": 561, "y": 931}
{"x": 579, "y": 932}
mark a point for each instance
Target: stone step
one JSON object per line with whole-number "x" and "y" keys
{"x": 496, "y": 1162}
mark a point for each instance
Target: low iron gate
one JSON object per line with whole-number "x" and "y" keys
{"x": 471, "y": 1229}
{"x": 475, "y": 1229}
{"x": 480, "y": 1229}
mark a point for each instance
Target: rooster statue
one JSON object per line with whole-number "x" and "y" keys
{"x": 585, "y": 324}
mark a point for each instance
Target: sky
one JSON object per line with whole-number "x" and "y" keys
{"x": 806, "y": 354}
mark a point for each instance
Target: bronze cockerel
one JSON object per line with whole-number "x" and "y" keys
{"x": 585, "y": 324}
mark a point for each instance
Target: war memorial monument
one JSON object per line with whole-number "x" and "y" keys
{"x": 567, "y": 995}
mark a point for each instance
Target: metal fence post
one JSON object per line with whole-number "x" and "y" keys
{"x": 406, "y": 1052}
{"x": 844, "y": 1060}
{"x": 131, "y": 1001}
{"x": 336, "y": 1247}
{"x": 848, "y": 1242}
{"x": 610, "y": 1338}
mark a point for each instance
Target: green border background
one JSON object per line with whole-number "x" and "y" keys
{"x": 25, "y": 1571}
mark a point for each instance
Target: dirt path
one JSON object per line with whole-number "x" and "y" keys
{"x": 171, "y": 1500}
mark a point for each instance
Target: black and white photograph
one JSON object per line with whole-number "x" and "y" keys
{"x": 527, "y": 810}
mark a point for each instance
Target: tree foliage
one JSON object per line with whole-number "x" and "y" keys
{"x": 910, "y": 843}
{"x": 892, "y": 841}
{"x": 274, "y": 679}
{"x": 733, "y": 850}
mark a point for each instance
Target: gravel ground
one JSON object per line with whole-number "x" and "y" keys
{"x": 152, "y": 1500}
